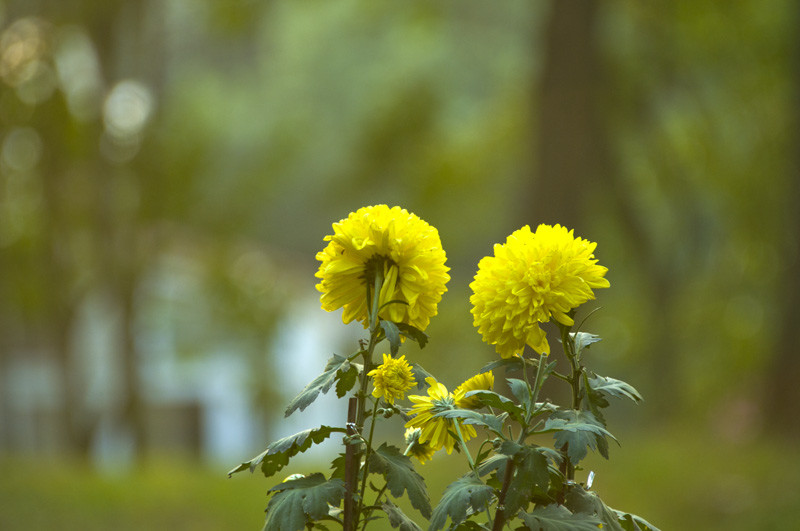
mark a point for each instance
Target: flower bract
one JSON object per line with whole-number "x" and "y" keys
{"x": 436, "y": 430}
{"x": 532, "y": 278}
{"x": 394, "y": 244}
{"x": 483, "y": 381}
{"x": 392, "y": 378}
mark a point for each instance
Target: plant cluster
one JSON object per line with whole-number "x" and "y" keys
{"x": 385, "y": 267}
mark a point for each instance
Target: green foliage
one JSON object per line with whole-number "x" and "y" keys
{"x": 401, "y": 476}
{"x": 583, "y": 340}
{"x": 494, "y": 400}
{"x": 468, "y": 416}
{"x": 530, "y": 471}
{"x": 301, "y": 500}
{"x": 465, "y": 495}
{"x": 277, "y": 454}
{"x": 398, "y": 518}
{"x": 580, "y": 500}
{"x": 578, "y": 430}
{"x": 613, "y": 388}
{"x": 337, "y": 368}
{"x": 392, "y": 335}
{"x": 559, "y": 518}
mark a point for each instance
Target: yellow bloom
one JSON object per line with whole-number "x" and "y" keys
{"x": 392, "y": 379}
{"x": 422, "y": 451}
{"x": 532, "y": 278}
{"x": 391, "y": 242}
{"x": 483, "y": 381}
{"x": 435, "y": 430}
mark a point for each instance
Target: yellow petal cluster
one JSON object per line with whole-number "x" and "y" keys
{"x": 483, "y": 381}
{"x": 532, "y": 278}
{"x": 436, "y": 430}
{"x": 392, "y": 378}
{"x": 391, "y": 242}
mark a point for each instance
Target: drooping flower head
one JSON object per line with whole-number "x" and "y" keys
{"x": 483, "y": 381}
{"x": 392, "y": 378}
{"x": 394, "y": 243}
{"x": 435, "y": 430}
{"x": 422, "y": 451}
{"x": 533, "y": 277}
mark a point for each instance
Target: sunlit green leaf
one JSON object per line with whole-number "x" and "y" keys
{"x": 631, "y": 522}
{"x": 320, "y": 384}
{"x": 398, "y": 518}
{"x": 297, "y": 501}
{"x": 582, "y": 340}
{"x": 277, "y": 454}
{"x": 559, "y": 518}
{"x": 401, "y": 476}
{"x": 466, "y": 492}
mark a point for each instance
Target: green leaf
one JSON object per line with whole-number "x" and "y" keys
{"x": 582, "y": 340}
{"x": 398, "y": 518}
{"x": 492, "y": 399}
{"x": 510, "y": 364}
{"x": 466, "y": 492}
{"x": 468, "y": 416}
{"x": 277, "y": 454}
{"x": 413, "y": 333}
{"x": 580, "y": 500}
{"x": 320, "y": 384}
{"x": 297, "y": 501}
{"x": 530, "y": 471}
{"x": 631, "y": 522}
{"x": 393, "y": 335}
{"x": 614, "y": 388}
{"x": 559, "y": 518}
{"x": 521, "y": 391}
{"x": 346, "y": 378}
{"x": 401, "y": 476}
{"x": 578, "y": 429}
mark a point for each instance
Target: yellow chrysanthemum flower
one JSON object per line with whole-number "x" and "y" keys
{"x": 388, "y": 241}
{"x": 422, "y": 451}
{"x": 483, "y": 381}
{"x": 435, "y": 430}
{"x": 533, "y": 277}
{"x": 392, "y": 379}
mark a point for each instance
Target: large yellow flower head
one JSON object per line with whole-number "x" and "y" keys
{"x": 394, "y": 243}
{"x": 533, "y": 277}
{"x": 392, "y": 378}
{"x": 435, "y": 430}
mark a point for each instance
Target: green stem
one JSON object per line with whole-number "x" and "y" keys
{"x": 574, "y": 380}
{"x": 471, "y": 463}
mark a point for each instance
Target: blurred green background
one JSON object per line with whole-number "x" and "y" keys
{"x": 168, "y": 169}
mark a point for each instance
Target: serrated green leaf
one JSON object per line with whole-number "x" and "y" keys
{"x": 277, "y": 454}
{"x": 578, "y": 429}
{"x": 401, "y": 476}
{"x": 614, "y": 388}
{"x": 631, "y": 522}
{"x": 466, "y": 492}
{"x": 470, "y": 525}
{"x": 413, "y": 333}
{"x": 582, "y": 340}
{"x": 521, "y": 391}
{"x": 492, "y": 399}
{"x": 320, "y": 384}
{"x": 346, "y": 378}
{"x": 299, "y": 500}
{"x": 559, "y": 518}
{"x": 495, "y": 463}
{"x": 398, "y": 518}
{"x": 580, "y": 500}
{"x": 530, "y": 471}
{"x": 392, "y": 335}
{"x": 468, "y": 416}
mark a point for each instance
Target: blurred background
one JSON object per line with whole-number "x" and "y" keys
{"x": 168, "y": 169}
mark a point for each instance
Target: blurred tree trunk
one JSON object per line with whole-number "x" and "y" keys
{"x": 781, "y": 384}
{"x": 567, "y": 157}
